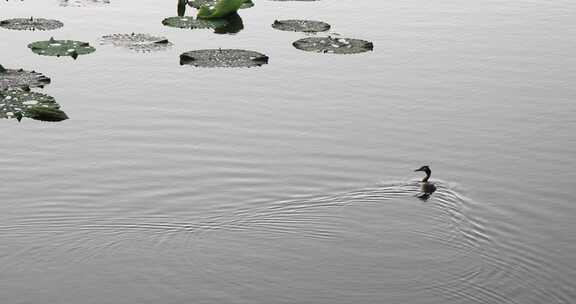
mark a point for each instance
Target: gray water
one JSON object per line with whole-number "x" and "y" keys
{"x": 293, "y": 182}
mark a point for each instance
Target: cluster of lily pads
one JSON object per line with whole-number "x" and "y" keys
{"x": 329, "y": 44}
{"x": 18, "y": 101}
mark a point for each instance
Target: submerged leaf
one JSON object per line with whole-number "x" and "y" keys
{"x": 18, "y": 103}
{"x": 31, "y": 24}
{"x": 333, "y": 45}
{"x": 199, "y": 3}
{"x": 45, "y": 113}
{"x": 301, "y": 25}
{"x": 226, "y": 58}
{"x": 221, "y": 9}
{"x": 61, "y": 48}
{"x": 10, "y": 78}
{"x": 84, "y": 3}
{"x": 137, "y": 42}
{"x": 191, "y": 23}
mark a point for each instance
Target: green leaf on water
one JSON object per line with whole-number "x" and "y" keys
{"x": 59, "y": 48}
{"x": 18, "y": 103}
{"x": 220, "y": 9}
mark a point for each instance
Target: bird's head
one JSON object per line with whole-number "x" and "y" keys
{"x": 423, "y": 169}
{"x": 427, "y": 170}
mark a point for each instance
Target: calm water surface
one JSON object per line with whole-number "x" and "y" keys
{"x": 293, "y": 182}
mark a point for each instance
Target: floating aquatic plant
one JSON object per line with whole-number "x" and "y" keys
{"x": 59, "y": 48}
{"x": 31, "y": 24}
{"x": 233, "y": 26}
{"x": 199, "y": 3}
{"x": 10, "y": 78}
{"x": 18, "y": 103}
{"x": 301, "y": 25}
{"x": 84, "y": 3}
{"x": 191, "y": 23}
{"x": 137, "y": 42}
{"x": 181, "y": 9}
{"x": 229, "y": 58}
{"x": 220, "y": 9}
{"x": 333, "y": 45}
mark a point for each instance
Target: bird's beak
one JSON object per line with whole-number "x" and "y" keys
{"x": 418, "y": 170}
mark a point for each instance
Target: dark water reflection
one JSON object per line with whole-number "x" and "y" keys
{"x": 174, "y": 185}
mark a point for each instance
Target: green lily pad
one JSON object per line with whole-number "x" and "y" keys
{"x": 220, "y": 9}
{"x": 191, "y": 23}
{"x": 20, "y": 78}
{"x": 223, "y": 58}
{"x": 199, "y": 3}
{"x": 301, "y": 26}
{"x": 59, "y": 48}
{"x": 18, "y": 103}
{"x": 31, "y": 24}
{"x": 333, "y": 45}
{"x": 137, "y": 42}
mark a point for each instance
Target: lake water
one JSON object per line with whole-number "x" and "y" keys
{"x": 293, "y": 182}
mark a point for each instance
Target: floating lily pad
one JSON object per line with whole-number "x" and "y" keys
{"x": 226, "y": 58}
{"x": 17, "y": 103}
{"x": 137, "y": 42}
{"x": 301, "y": 25}
{"x": 84, "y": 3}
{"x": 191, "y": 23}
{"x": 31, "y": 24}
{"x": 333, "y": 45}
{"x": 59, "y": 48}
{"x": 199, "y": 3}
{"x": 20, "y": 78}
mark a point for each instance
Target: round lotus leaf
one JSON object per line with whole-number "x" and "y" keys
{"x": 225, "y": 58}
{"x": 31, "y": 24}
{"x": 333, "y": 45}
{"x": 20, "y": 78}
{"x": 137, "y": 42}
{"x": 59, "y": 48}
{"x": 199, "y": 3}
{"x": 301, "y": 25}
{"x": 18, "y": 103}
{"x": 191, "y": 23}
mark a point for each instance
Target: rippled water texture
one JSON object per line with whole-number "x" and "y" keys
{"x": 293, "y": 182}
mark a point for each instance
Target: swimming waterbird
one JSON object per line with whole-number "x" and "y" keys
{"x": 426, "y": 187}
